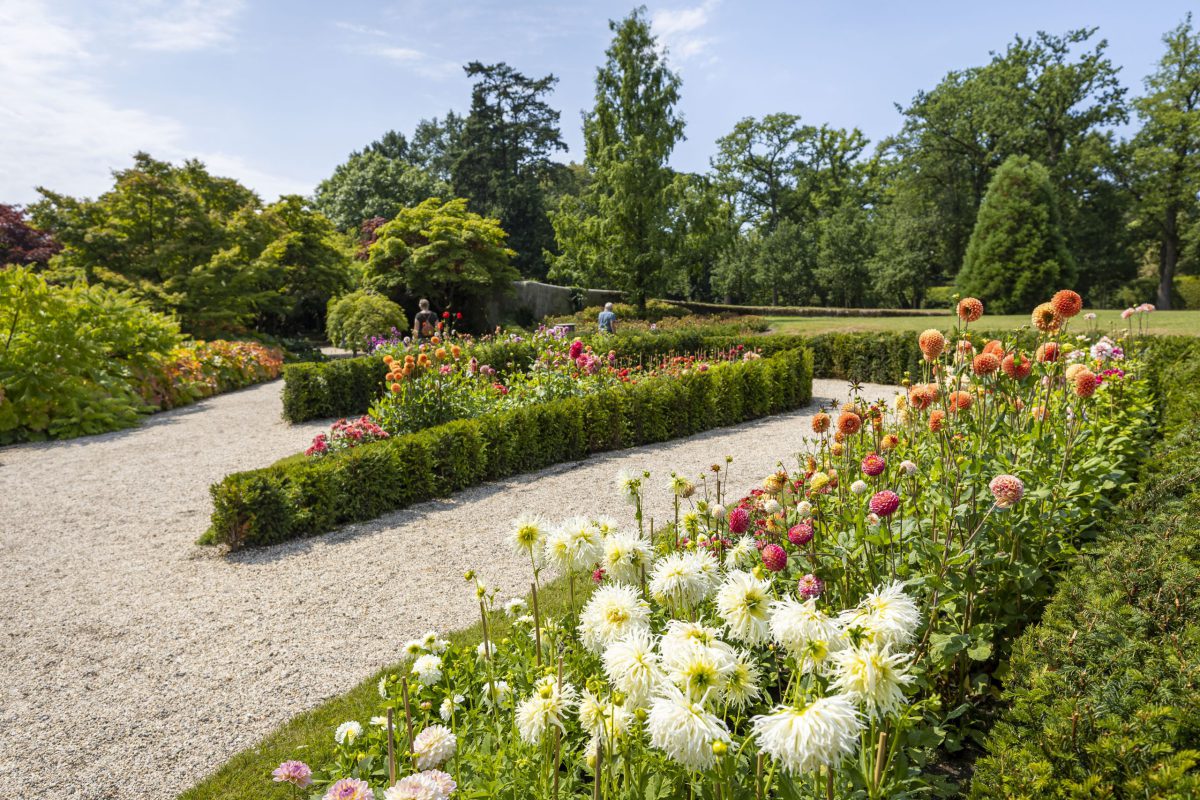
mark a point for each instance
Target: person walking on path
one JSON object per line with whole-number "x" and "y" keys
{"x": 425, "y": 322}
{"x": 608, "y": 319}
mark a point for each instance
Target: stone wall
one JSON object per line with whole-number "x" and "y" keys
{"x": 544, "y": 300}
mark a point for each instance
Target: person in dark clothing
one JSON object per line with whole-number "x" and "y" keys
{"x": 425, "y": 322}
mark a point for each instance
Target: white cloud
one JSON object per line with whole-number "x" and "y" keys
{"x": 59, "y": 130}
{"x": 419, "y": 61}
{"x": 183, "y": 26}
{"x": 679, "y": 30}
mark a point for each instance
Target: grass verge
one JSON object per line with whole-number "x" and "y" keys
{"x": 1185, "y": 323}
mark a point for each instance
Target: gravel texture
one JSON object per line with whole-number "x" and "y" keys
{"x": 133, "y": 662}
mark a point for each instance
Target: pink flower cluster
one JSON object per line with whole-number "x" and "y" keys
{"x": 346, "y": 434}
{"x": 297, "y": 773}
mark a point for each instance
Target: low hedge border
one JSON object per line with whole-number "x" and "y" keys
{"x": 300, "y": 497}
{"x": 347, "y": 387}
{"x": 1105, "y": 695}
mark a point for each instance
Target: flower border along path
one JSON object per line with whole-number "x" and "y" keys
{"x": 301, "y": 497}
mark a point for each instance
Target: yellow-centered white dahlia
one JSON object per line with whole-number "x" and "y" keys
{"x": 574, "y": 547}
{"x": 873, "y": 676}
{"x": 434, "y": 746}
{"x": 807, "y": 633}
{"x": 602, "y": 717}
{"x": 632, "y": 667}
{"x": 743, "y": 554}
{"x": 684, "y": 729}
{"x": 741, "y": 684}
{"x": 545, "y": 708}
{"x": 743, "y": 603}
{"x": 612, "y": 612}
{"x": 527, "y": 535}
{"x": 887, "y": 616}
{"x": 683, "y": 578}
{"x": 626, "y": 557}
{"x": 805, "y": 738}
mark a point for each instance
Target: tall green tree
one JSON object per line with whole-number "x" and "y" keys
{"x": 1052, "y": 98}
{"x": 1017, "y": 252}
{"x": 703, "y": 227}
{"x": 617, "y": 233}
{"x": 1165, "y": 153}
{"x": 436, "y": 144}
{"x": 758, "y": 165}
{"x": 376, "y": 182}
{"x": 504, "y": 164}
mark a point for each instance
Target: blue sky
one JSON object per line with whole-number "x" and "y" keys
{"x": 278, "y": 93}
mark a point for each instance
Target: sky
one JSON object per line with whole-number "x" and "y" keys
{"x": 276, "y": 93}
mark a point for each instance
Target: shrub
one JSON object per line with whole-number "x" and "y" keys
{"x": 1103, "y": 699}
{"x": 305, "y": 497}
{"x": 1017, "y": 248}
{"x": 354, "y": 318}
{"x": 67, "y": 355}
{"x": 202, "y": 369}
{"x": 1188, "y": 289}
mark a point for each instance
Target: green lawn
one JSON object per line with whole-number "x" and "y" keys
{"x": 1185, "y": 323}
{"x": 308, "y": 737}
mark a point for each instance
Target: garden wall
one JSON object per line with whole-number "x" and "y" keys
{"x": 545, "y": 300}
{"x": 304, "y": 497}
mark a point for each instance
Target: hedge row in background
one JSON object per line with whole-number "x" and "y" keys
{"x": 304, "y": 497}
{"x": 1105, "y": 695}
{"x": 347, "y": 387}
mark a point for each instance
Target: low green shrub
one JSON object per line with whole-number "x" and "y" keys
{"x": 351, "y": 320}
{"x": 1104, "y": 699}
{"x": 305, "y": 497}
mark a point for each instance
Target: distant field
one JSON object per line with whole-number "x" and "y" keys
{"x": 1186, "y": 323}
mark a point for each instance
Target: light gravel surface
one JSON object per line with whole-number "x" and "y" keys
{"x": 132, "y": 662}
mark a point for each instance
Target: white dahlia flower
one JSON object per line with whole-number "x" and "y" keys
{"x": 626, "y": 556}
{"x": 802, "y": 739}
{"x": 612, "y": 613}
{"x": 347, "y": 732}
{"x": 806, "y": 632}
{"x": 527, "y": 535}
{"x": 742, "y": 602}
{"x": 574, "y": 547}
{"x": 684, "y": 729}
{"x": 633, "y": 668}
{"x": 545, "y": 708}
{"x": 888, "y": 616}
{"x": 742, "y": 554}
{"x": 428, "y": 669}
{"x": 602, "y": 717}
{"x": 434, "y": 746}
{"x": 683, "y": 578}
{"x": 874, "y": 677}
{"x": 449, "y": 706}
{"x": 741, "y": 684}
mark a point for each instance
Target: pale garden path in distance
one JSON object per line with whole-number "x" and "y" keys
{"x": 133, "y": 663}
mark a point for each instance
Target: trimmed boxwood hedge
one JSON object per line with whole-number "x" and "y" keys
{"x": 304, "y": 497}
{"x": 347, "y": 387}
{"x": 1105, "y": 695}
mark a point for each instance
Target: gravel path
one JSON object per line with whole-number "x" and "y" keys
{"x": 132, "y": 662}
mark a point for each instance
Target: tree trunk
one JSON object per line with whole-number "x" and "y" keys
{"x": 1168, "y": 257}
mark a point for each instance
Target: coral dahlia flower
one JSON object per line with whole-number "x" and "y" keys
{"x": 849, "y": 423}
{"x": 970, "y": 309}
{"x": 820, "y": 422}
{"x": 1067, "y": 303}
{"x": 1086, "y": 383}
{"x": 985, "y": 364}
{"x": 1047, "y": 352}
{"x": 959, "y": 401}
{"x": 1007, "y": 490}
{"x": 885, "y": 503}
{"x": 937, "y": 420}
{"x": 932, "y": 343}
{"x": 995, "y": 347}
{"x": 1016, "y": 366}
{"x": 1046, "y": 319}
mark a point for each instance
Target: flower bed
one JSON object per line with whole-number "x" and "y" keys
{"x": 830, "y": 634}
{"x": 304, "y": 496}
{"x": 195, "y": 370}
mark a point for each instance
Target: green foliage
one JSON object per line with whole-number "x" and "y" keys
{"x": 198, "y": 246}
{"x": 616, "y": 234}
{"x": 377, "y": 182}
{"x": 354, "y": 318}
{"x": 440, "y": 251}
{"x": 1017, "y": 249}
{"x": 504, "y": 161}
{"x": 1165, "y": 154}
{"x": 1188, "y": 289}
{"x": 303, "y": 498}
{"x": 1103, "y": 699}
{"x": 67, "y": 356}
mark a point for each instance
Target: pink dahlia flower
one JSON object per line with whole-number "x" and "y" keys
{"x": 350, "y": 789}
{"x": 885, "y": 503}
{"x": 1007, "y": 489}
{"x": 800, "y": 534}
{"x": 873, "y": 465}
{"x": 774, "y": 558}
{"x": 739, "y": 520}
{"x": 810, "y": 586}
{"x": 297, "y": 773}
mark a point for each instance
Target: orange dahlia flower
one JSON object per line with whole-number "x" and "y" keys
{"x": 1067, "y": 303}
{"x": 959, "y": 401}
{"x": 932, "y": 343}
{"x": 970, "y": 309}
{"x": 1047, "y": 352}
{"x": 849, "y": 423}
{"x": 985, "y": 364}
{"x": 937, "y": 420}
{"x": 820, "y": 422}
{"x": 1046, "y": 319}
{"x": 1016, "y": 366}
